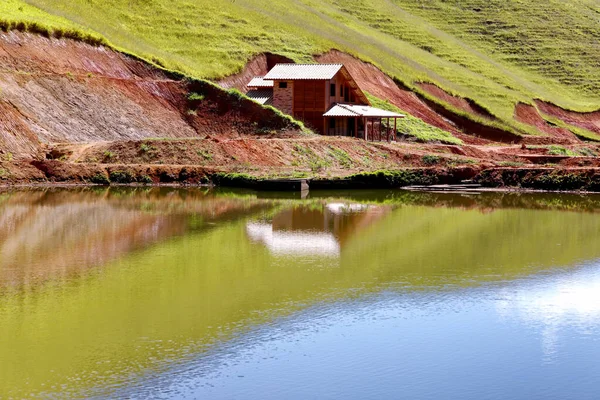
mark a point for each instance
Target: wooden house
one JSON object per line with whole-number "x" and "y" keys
{"x": 326, "y": 98}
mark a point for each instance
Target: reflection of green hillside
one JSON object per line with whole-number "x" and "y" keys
{"x": 440, "y": 246}
{"x": 485, "y": 200}
{"x": 177, "y": 297}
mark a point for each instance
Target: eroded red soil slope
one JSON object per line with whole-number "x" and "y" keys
{"x": 60, "y": 90}
{"x": 589, "y": 121}
{"x": 528, "y": 114}
{"x": 460, "y": 103}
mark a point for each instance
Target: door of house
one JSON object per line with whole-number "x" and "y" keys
{"x": 351, "y": 126}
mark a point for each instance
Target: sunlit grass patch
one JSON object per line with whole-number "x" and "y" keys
{"x": 413, "y": 126}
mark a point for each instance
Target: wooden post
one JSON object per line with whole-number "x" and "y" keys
{"x": 380, "y": 120}
{"x": 366, "y": 128}
{"x": 356, "y": 127}
{"x": 387, "y": 130}
{"x": 395, "y": 130}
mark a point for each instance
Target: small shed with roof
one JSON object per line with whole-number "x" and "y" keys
{"x": 326, "y": 98}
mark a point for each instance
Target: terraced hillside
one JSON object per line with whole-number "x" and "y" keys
{"x": 496, "y": 53}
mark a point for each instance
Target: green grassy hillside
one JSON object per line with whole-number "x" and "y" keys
{"x": 496, "y": 52}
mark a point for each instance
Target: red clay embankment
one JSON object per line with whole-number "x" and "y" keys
{"x": 589, "y": 121}
{"x": 528, "y": 114}
{"x": 460, "y": 103}
{"x": 63, "y": 91}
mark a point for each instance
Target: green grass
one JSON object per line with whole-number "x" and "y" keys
{"x": 562, "y": 151}
{"x": 340, "y": 156}
{"x": 16, "y": 14}
{"x": 413, "y": 126}
{"x": 555, "y": 150}
{"x": 146, "y": 148}
{"x": 308, "y": 157}
{"x": 205, "y": 154}
{"x": 430, "y": 159}
{"x": 496, "y": 52}
{"x": 196, "y": 97}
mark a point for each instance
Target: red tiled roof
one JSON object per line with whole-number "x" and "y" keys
{"x": 262, "y": 96}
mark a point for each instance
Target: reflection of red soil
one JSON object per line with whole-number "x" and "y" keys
{"x": 528, "y": 114}
{"x": 589, "y": 121}
{"x": 56, "y": 242}
{"x": 460, "y": 103}
{"x": 56, "y": 235}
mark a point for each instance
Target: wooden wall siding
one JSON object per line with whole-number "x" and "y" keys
{"x": 340, "y": 81}
{"x": 337, "y": 81}
{"x": 283, "y": 99}
{"x": 341, "y": 127}
{"x": 310, "y": 103}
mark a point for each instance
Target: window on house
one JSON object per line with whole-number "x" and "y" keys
{"x": 331, "y": 123}
{"x": 282, "y": 85}
{"x": 332, "y": 90}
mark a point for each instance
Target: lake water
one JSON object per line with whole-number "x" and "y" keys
{"x": 195, "y": 293}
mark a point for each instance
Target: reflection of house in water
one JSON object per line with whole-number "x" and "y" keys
{"x": 318, "y": 230}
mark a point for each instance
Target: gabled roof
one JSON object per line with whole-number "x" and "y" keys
{"x": 303, "y": 72}
{"x": 259, "y": 82}
{"x": 351, "y": 110}
{"x": 262, "y": 96}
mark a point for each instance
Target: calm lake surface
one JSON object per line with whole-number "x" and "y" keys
{"x": 173, "y": 293}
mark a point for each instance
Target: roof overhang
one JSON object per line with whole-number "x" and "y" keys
{"x": 263, "y": 96}
{"x": 361, "y": 97}
{"x": 352, "y": 110}
{"x": 258, "y": 82}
